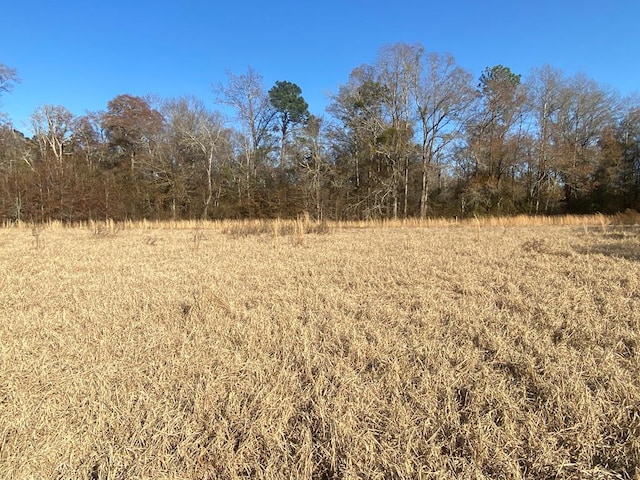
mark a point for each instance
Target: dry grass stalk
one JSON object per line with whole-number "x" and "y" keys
{"x": 36, "y": 233}
{"x": 104, "y": 229}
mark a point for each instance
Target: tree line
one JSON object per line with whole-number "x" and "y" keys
{"x": 412, "y": 134}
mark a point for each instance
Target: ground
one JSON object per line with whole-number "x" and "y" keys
{"x": 422, "y": 350}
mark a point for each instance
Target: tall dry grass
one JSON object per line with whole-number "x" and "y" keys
{"x": 246, "y": 227}
{"x": 410, "y": 351}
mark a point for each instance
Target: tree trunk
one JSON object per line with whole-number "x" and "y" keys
{"x": 424, "y": 192}
{"x": 406, "y": 187}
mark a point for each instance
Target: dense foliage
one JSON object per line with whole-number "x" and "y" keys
{"x": 410, "y": 135}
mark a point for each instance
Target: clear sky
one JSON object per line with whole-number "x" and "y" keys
{"x": 81, "y": 54}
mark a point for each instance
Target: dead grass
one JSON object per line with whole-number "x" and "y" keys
{"x": 297, "y": 228}
{"x": 419, "y": 350}
{"x": 253, "y": 227}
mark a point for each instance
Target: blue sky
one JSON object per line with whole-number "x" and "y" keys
{"x": 82, "y": 54}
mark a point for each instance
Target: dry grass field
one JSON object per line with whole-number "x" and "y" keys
{"x": 472, "y": 350}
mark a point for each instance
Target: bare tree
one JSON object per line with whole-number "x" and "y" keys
{"x": 494, "y": 134}
{"x": 359, "y": 108}
{"x": 629, "y": 137}
{"x": 398, "y": 69}
{"x": 312, "y": 164}
{"x": 90, "y": 139}
{"x": 544, "y": 87}
{"x": 8, "y": 77}
{"x": 52, "y": 128}
{"x": 246, "y": 95}
{"x": 585, "y": 110}
{"x": 14, "y": 154}
{"x": 442, "y": 98}
{"x": 202, "y": 134}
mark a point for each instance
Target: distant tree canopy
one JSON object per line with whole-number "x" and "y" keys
{"x": 291, "y": 109}
{"x": 8, "y": 77}
{"x": 411, "y": 134}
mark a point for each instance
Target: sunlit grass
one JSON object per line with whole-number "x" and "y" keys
{"x": 483, "y": 348}
{"x": 288, "y": 225}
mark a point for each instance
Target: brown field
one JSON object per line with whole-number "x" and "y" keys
{"x": 481, "y": 349}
